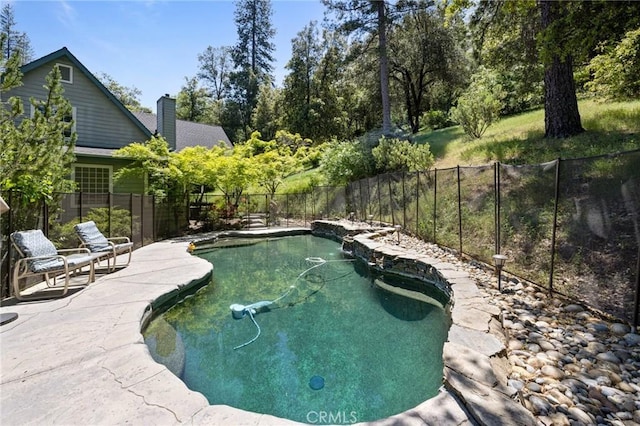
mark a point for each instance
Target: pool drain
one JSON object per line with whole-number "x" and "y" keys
{"x": 316, "y": 382}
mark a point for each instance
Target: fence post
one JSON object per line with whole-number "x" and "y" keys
{"x": 130, "y": 214}
{"x": 154, "y": 234}
{"x": 555, "y": 225}
{"x": 45, "y": 218}
{"x": 435, "y": 203}
{"x": 637, "y": 298}
{"x": 404, "y": 204}
{"x": 379, "y": 201}
{"x": 393, "y": 216}
{"x": 417, "y": 202}
{"x": 459, "y": 213}
{"x": 110, "y": 213}
{"x": 496, "y": 207}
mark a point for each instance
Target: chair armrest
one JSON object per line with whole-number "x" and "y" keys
{"x": 75, "y": 250}
{"x": 49, "y": 256}
{"x": 125, "y": 239}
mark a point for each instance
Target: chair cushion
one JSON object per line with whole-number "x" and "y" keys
{"x": 33, "y": 243}
{"x": 91, "y": 236}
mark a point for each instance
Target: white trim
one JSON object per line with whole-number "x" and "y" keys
{"x": 60, "y": 66}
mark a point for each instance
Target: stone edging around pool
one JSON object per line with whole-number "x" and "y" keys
{"x": 475, "y": 355}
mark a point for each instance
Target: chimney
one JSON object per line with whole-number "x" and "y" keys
{"x": 167, "y": 120}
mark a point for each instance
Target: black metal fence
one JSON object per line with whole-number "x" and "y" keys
{"x": 144, "y": 219}
{"x": 571, "y": 226}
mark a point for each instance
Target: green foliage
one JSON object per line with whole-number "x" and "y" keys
{"x": 153, "y": 159}
{"x": 435, "y": 119}
{"x": 395, "y": 155}
{"x": 35, "y": 152}
{"x": 480, "y": 105}
{"x": 129, "y": 96}
{"x": 343, "y": 162}
{"x": 192, "y": 102}
{"x": 616, "y": 72}
{"x": 114, "y": 222}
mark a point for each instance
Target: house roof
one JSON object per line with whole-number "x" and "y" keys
{"x": 188, "y": 133}
{"x": 64, "y": 52}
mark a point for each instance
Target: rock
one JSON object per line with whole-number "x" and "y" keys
{"x": 539, "y": 405}
{"x": 551, "y": 371}
{"x": 632, "y": 339}
{"x": 573, "y": 308}
{"x": 515, "y": 344}
{"x": 579, "y": 415}
{"x": 534, "y": 387}
{"x": 620, "y": 329}
{"x": 608, "y": 356}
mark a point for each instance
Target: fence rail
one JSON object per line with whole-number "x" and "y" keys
{"x": 571, "y": 226}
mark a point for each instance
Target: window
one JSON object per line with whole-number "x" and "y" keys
{"x": 66, "y": 119}
{"x": 93, "y": 181}
{"x": 66, "y": 73}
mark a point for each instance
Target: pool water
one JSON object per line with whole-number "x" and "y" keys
{"x": 336, "y": 348}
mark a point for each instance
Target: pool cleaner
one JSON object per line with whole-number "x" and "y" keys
{"x": 239, "y": 311}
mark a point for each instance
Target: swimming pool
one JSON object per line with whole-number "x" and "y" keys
{"x": 339, "y": 346}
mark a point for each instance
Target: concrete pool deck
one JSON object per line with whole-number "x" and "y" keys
{"x": 82, "y": 359}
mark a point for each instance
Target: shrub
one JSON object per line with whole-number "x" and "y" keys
{"x": 480, "y": 105}
{"x": 393, "y": 155}
{"x": 64, "y": 236}
{"x": 435, "y": 119}
{"x": 616, "y": 72}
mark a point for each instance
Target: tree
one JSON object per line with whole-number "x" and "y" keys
{"x": 36, "y": 152}
{"x": 192, "y": 102}
{"x": 299, "y": 83}
{"x": 424, "y": 54}
{"x": 153, "y": 160}
{"x": 566, "y": 31}
{"x": 15, "y": 41}
{"x": 252, "y": 57}
{"x": 480, "y": 104}
{"x": 215, "y": 67}
{"x": 372, "y": 18}
{"x": 616, "y": 72}
{"x": 561, "y": 115}
{"x": 129, "y": 96}
{"x": 266, "y": 115}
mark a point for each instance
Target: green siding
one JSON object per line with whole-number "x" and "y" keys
{"x": 134, "y": 185}
{"x": 99, "y": 122}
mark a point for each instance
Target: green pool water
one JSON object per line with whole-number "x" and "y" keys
{"x": 339, "y": 346}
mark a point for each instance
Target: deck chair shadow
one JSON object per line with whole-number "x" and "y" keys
{"x": 38, "y": 256}
{"x": 105, "y": 248}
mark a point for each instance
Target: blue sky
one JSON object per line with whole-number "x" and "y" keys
{"x": 151, "y": 45}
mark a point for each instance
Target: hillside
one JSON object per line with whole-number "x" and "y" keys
{"x": 610, "y": 127}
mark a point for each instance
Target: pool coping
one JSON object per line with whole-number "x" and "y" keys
{"x": 82, "y": 359}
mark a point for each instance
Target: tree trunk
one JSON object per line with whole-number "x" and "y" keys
{"x": 561, "y": 115}
{"x": 384, "y": 68}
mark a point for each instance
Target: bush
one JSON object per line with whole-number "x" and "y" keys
{"x": 394, "y": 155}
{"x": 343, "y": 162}
{"x": 435, "y": 119}
{"x": 64, "y": 236}
{"x": 480, "y": 105}
{"x": 616, "y": 73}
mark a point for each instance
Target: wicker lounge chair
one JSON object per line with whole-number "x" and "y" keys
{"x": 105, "y": 248}
{"x": 38, "y": 256}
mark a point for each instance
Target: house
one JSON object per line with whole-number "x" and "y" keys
{"x": 103, "y": 124}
